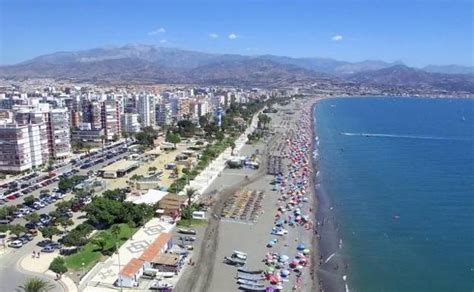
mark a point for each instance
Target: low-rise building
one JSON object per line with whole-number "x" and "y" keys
{"x": 131, "y": 273}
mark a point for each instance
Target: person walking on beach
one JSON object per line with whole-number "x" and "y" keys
{"x": 33, "y": 255}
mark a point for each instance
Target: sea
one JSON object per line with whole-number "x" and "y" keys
{"x": 399, "y": 175}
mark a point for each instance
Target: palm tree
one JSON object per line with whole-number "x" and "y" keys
{"x": 190, "y": 193}
{"x": 100, "y": 243}
{"x": 35, "y": 285}
{"x": 116, "y": 230}
{"x": 102, "y": 137}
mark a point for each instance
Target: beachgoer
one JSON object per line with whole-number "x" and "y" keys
{"x": 38, "y": 255}
{"x": 34, "y": 254}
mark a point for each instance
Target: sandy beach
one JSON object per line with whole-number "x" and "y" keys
{"x": 291, "y": 126}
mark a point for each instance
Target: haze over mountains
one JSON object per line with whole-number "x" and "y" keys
{"x": 147, "y": 63}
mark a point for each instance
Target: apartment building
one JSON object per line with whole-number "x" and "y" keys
{"x": 130, "y": 123}
{"x": 110, "y": 119}
{"x": 21, "y": 146}
{"x": 164, "y": 114}
{"x": 146, "y": 109}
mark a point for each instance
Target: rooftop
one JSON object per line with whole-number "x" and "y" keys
{"x": 155, "y": 248}
{"x": 121, "y": 165}
{"x": 166, "y": 259}
{"x": 131, "y": 268}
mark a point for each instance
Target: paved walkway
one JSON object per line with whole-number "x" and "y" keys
{"x": 40, "y": 266}
{"x": 103, "y": 276}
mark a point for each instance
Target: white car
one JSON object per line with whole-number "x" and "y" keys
{"x": 59, "y": 195}
{"x": 16, "y": 244}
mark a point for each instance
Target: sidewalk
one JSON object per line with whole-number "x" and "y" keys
{"x": 41, "y": 265}
{"x": 104, "y": 276}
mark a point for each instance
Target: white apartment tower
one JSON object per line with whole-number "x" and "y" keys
{"x": 146, "y": 109}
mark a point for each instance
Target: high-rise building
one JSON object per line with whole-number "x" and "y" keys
{"x": 130, "y": 123}
{"x": 146, "y": 109}
{"x": 21, "y": 146}
{"x": 91, "y": 113}
{"x": 164, "y": 114}
{"x": 110, "y": 119}
{"x": 59, "y": 139}
{"x": 183, "y": 108}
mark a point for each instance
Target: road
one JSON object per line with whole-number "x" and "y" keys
{"x": 11, "y": 275}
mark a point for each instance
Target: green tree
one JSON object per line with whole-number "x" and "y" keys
{"x": 50, "y": 165}
{"x": 103, "y": 211}
{"x": 49, "y": 232}
{"x": 173, "y": 138}
{"x": 63, "y": 206}
{"x": 17, "y": 229}
{"x": 220, "y": 136}
{"x": 100, "y": 243}
{"x": 58, "y": 265}
{"x": 35, "y": 285}
{"x": 64, "y": 222}
{"x": 116, "y": 230}
{"x": 4, "y": 212}
{"x": 190, "y": 193}
{"x": 29, "y": 199}
{"x": 33, "y": 217}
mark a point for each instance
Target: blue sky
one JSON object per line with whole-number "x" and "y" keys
{"x": 417, "y": 32}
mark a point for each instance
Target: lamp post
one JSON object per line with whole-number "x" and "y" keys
{"x": 119, "y": 276}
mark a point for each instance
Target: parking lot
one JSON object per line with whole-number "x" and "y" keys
{"x": 38, "y": 193}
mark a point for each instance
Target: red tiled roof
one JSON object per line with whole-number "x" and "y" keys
{"x": 131, "y": 268}
{"x": 153, "y": 249}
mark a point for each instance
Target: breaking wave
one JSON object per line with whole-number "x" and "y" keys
{"x": 420, "y": 137}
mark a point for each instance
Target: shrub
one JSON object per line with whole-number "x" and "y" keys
{"x": 58, "y": 265}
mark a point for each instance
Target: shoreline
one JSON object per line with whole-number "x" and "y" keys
{"x": 332, "y": 269}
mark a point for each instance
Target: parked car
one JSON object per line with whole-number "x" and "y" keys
{"x": 16, "y": 244}
{"x": 68, "y": 250}
{"x": 44, "y": 243}
{"x": 48, "y": 249}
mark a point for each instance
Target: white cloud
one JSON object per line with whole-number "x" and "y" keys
{"x": 337, "y": 38}
{"x": 232, "y": 36}
{"x": 163, "y": 41}
{"x": 157, "y": 31}
{"x": 213, "y": 35}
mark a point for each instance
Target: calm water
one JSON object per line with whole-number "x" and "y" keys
{"x": 400, "y": 175}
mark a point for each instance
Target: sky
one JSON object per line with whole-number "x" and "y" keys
{"x": 416, "y": 32}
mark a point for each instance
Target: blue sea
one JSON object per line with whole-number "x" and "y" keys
{"x": 399, "y": 173}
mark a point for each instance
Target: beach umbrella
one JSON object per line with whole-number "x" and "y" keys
{"x": 299, "y": 255}
{"x": 284, "y": 273}
{"x": 269, "y": 289}
{"x": 300, "y": 247}
{"x": 270, "y": 269}
{"x": 306, "y": 251}
{"x": 284, "y": 258}
{"x": 298, "y": 268}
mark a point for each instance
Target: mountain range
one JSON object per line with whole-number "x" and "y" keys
{"x": 152, "y": 64}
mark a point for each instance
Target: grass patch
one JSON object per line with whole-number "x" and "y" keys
{"x": 190, "y": 222}
{"x": 90, "y": 254}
